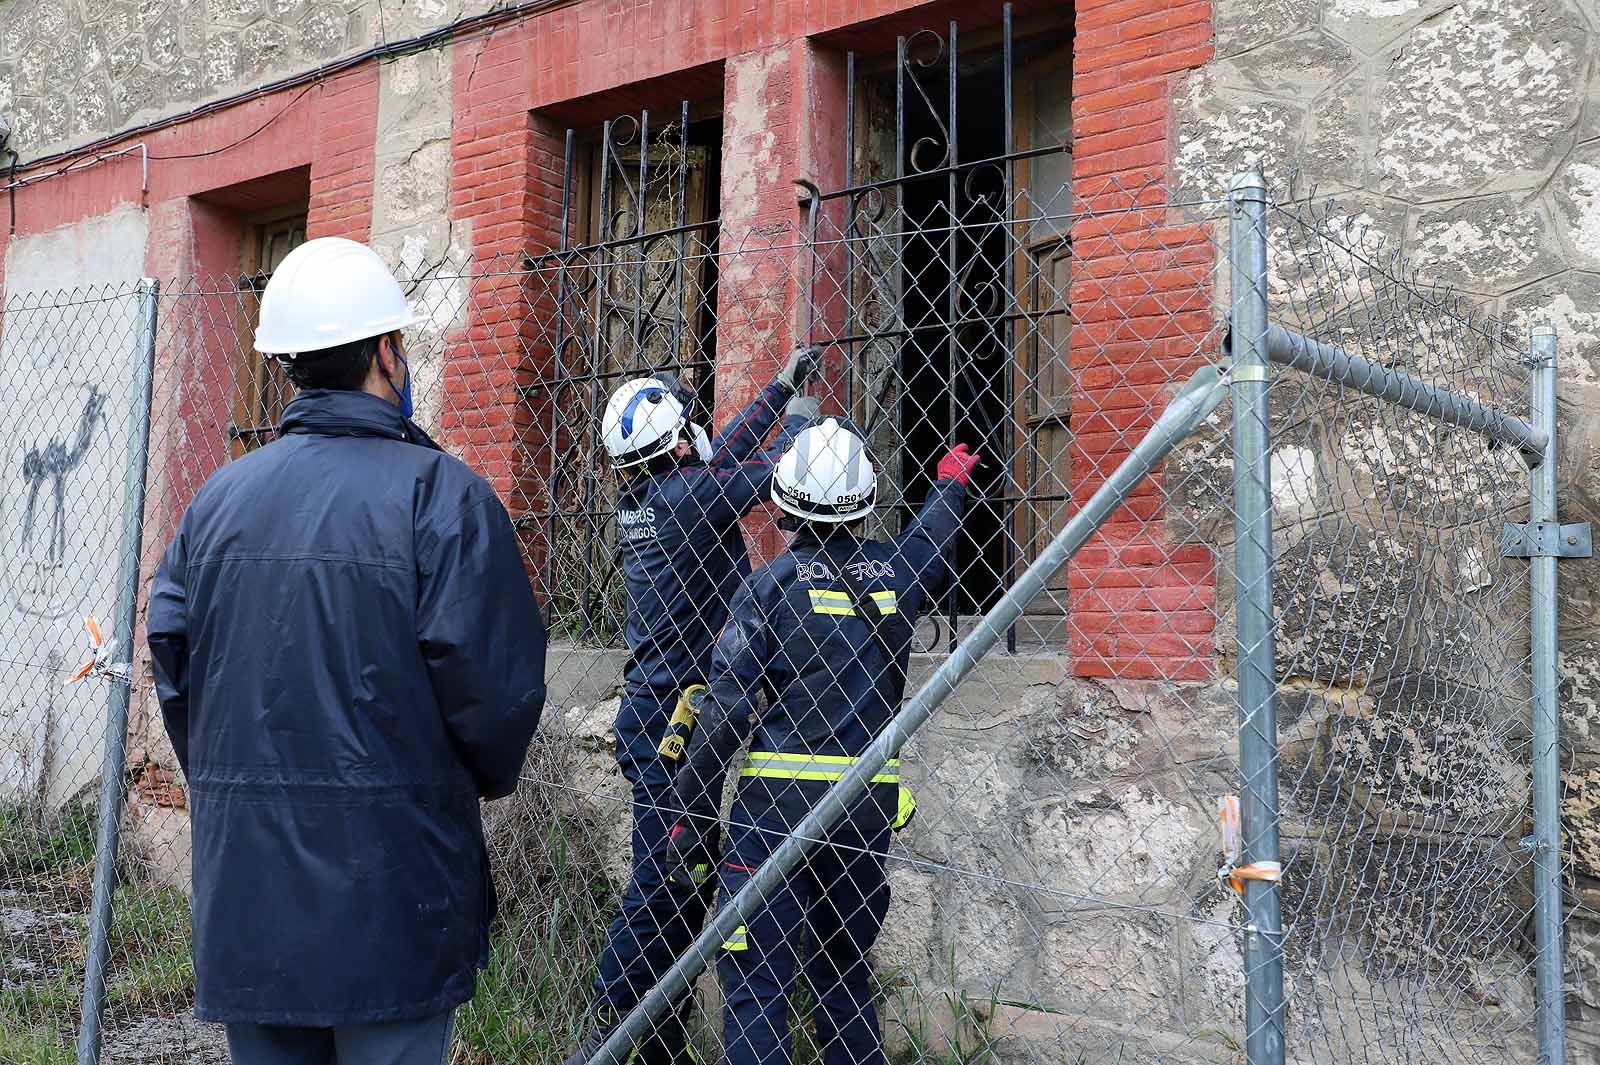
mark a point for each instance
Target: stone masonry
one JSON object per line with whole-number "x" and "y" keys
{"x": 1464, "y": 136}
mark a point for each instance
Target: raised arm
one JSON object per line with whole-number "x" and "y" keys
{"x": 925, "y": 543}
{"x": 727, "y": 493}
{"x": 739, "y": 439}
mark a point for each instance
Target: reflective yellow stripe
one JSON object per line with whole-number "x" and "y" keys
{"x": 827, "y": 601}
{"x": 906, "y": 810}
{"x": 812, "y": 767}
{"x": 740, "y": 940}
{"x": 801, "y": 774}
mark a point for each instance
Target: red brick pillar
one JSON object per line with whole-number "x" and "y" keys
{"x": 782, "y": 111}
{"x": 1141, "y": 605}
{"x": 342, "y": 163}
{"x": 197, "y": 351}
{"x": 505, "y": 196}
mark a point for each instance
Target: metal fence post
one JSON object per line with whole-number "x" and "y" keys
{"x": 1546, "y": 715}
{"x": 1257, "y": 673}
{"x": 111, "y": 769}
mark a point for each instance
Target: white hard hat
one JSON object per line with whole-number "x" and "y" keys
{"x": 327, "y": 292}
{"x": 642, "y": 420}
{"x": 826, "y": 474}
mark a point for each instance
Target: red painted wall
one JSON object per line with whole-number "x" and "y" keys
{"x": 329, "y": 126}
{"x": 1141, "y": 606}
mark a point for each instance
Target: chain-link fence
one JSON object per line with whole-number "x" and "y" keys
{"x": 1057, "y": 896}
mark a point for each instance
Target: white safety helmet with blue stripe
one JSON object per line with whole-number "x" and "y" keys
{"x": 643, "y": 419}
{"x": 826, "y": 474}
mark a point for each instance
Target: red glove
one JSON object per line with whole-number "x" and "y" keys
{"x": 957, "y": 465}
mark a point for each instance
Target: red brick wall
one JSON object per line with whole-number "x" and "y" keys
{"x": 506, "y": 178}
{"x": 592, "y": 47}
{"x": 1141, "y": 605}
{"x": 341, "y": 168}
{"x": 505, "y": 191}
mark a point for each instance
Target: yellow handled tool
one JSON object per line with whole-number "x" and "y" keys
{"x": 681, "y": 727}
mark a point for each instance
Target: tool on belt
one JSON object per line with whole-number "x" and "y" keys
{"x": 681, "y": 726}
{"x": 696, "y": 875}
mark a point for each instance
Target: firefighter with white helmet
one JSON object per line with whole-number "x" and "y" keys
{"x": 683, "y": 555}
{"x": 824, "y": 631}
{"x": 349, "y": 658}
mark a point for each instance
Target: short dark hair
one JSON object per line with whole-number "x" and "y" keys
{"x": 342, "y": 368}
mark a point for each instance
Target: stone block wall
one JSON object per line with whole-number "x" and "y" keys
{"x": 1057, "y": 897}
{"x": 1459, "y": 136}
{"x": 1065, "y": 828}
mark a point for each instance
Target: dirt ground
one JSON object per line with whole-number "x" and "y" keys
{"x": 40, "y": 937}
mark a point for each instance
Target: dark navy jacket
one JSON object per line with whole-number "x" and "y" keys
{"x": 349, "y": 656}
{"x": 794, "y": 635}
{"x": 682, "y": 553}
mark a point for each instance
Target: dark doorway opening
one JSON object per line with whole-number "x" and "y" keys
{"x": 955, "y": 362}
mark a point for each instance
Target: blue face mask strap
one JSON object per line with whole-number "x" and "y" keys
{"x": 405, "y": 393}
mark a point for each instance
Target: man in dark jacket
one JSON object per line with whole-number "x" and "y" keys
{"x": 824, "y": 632}
{"x": 349, "y": 657}
{"x": 683, "y": 556}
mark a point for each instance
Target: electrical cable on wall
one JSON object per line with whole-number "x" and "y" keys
{"x": 259, "y": 129}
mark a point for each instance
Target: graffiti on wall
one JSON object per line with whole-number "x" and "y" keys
{"x": 44, "y": 552}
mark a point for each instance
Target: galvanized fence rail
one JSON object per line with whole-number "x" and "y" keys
{"x": 1286, "y": 637}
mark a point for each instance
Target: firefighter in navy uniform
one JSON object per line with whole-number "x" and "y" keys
{"x": 683, "y": 557}
{"x": 824, "y": 633}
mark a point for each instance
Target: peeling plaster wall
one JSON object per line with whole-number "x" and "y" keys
{"x": 410, "y": 224}
{"x": 74, "y": 70}
{"x": 63, "y": 392}
{"x": 1467, "y": 134}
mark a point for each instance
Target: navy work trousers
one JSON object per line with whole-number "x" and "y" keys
{"x": 834, "y": 904}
